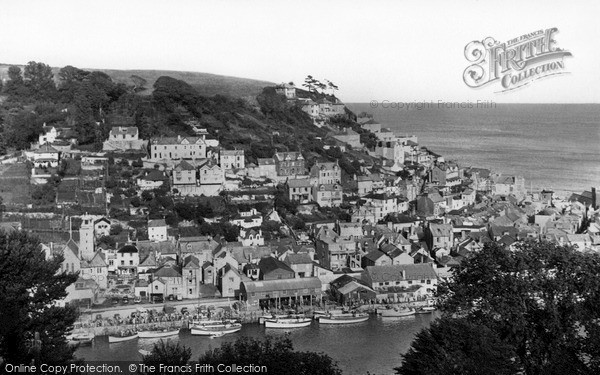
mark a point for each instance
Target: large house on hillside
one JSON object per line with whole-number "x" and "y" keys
{"x": 124, "y": 138}
{"x": 289, "y": 163}
{"x": 175, "y": 148}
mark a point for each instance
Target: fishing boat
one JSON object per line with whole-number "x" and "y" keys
{"x": 158, "y": 333}
{"x": 263, "y": 318}
{"x": 80, "y": 339}
{"x": 144, "y": 352}
{"x": 319, "y": 313}
{"x": 290, "y": 322}
{"x": 123, "y": 336}
{"x": 343, "y": 318}
{"x": 216, "y": 329}
{"x": 395, "y": 312}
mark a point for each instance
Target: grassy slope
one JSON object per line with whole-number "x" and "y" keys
{"x": 206, "y": 84}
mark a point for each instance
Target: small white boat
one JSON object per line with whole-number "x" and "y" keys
{"x": 122, "y": 337}
{"x": 395, "y": 313}
{"x": 144, "y": 352}
{"x": 288, "y": 322}
{"x": 425, "y": 310}
{"x": 217, "y": 334}
{"x": 153, "y": 334}
{"x": 343, "y": 319}
{"x": 263, "y": 318}
{"x": 216, "y": 329}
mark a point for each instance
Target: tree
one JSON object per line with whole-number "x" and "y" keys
{"x": 277, "y": 354}
{"x": 540, "y": 298}
{"x": 40, "y": 80}
{"x": 30, "y": 285}
{"x": 456, "y": 346}
{"x": 15, "y": 86}
{"x": 167, "y": 353}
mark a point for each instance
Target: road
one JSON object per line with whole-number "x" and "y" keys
{"x": 126, "y": 310}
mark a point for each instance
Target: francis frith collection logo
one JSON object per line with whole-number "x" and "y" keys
{"x": 515, "y": 63}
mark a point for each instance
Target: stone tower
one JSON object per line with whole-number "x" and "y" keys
{"x": 86, "y": 238}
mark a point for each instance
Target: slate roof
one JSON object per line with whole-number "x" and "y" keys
{"x": 167, "y": 271}
{"x": 120, "y": 130}
{"x": 394, "y": 273}
{"x": 185, "y": 166}
{"x": 283, "y": 284}
{"x": 300, "y": 258}
{"x": 157, "y": 223}
{"x": 129, "y": 248}
{"x": 270, "y": 264}
{"x": 440, "y": 230}
{"x": 191, "y": 262}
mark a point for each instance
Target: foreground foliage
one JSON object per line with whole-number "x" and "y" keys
{"x": 29, "y": 286}
{"x": 540, "y": 298}
{"x": 277, "y": 354}
{"x": 458, "y": 347}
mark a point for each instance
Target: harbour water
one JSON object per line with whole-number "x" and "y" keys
{"x": 373, "y": 346}
{"x": 554, "y": 146}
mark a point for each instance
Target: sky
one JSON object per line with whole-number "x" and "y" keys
{"x": 396, "y": 51}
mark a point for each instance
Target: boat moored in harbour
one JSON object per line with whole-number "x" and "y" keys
{"x": 293, "y": 322}
{"x": 343, "y": 318}
{"x": 80, "y": 338}
{"x": 216, "y": 329}
{"x": 425, "y": 310}
{"x": 159, "y": 333}
{"x": 122, "y": 336}
{"x": 395, "y": 312}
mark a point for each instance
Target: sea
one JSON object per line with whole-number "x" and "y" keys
{"x": 553, "y": 146}
{"x": 374, "y": 346}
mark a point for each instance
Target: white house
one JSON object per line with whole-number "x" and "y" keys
{"x": 157, "y": 230}
{"x": 48, "y": 136}
{"x": 175, "y": 148}
{"x": 232, "y": 159}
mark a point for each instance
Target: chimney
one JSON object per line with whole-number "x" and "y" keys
{"x": 593, "y": 198}
{"x": 403, "y": 274}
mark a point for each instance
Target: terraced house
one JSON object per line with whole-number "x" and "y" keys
{"x": 177, "y": 148}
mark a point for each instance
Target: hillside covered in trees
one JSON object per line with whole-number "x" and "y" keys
{"x": 90, "y": 103}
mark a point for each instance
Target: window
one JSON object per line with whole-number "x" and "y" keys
{"x": 410, "y": 281}
{"x": 122, "y": 262}
{"x": 253, "y": 294}
{"x": 131, "y": 262}
{"x": 428, "y": 282}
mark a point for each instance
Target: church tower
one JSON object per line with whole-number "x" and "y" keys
{"x": 86, "y": 238}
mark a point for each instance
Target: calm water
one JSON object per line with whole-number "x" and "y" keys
{"x": 552, "y": 145}
{"x": 373, "y": 346}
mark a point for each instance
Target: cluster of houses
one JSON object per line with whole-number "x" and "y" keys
{"x": 410, "y": 222}
{"x": 320, "y": 110}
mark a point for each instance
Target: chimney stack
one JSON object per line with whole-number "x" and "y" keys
{"x": 593, "y": 198}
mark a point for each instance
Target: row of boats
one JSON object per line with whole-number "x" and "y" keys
{"x": 338, "y": 317}
{"x": 217, "y": 328}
